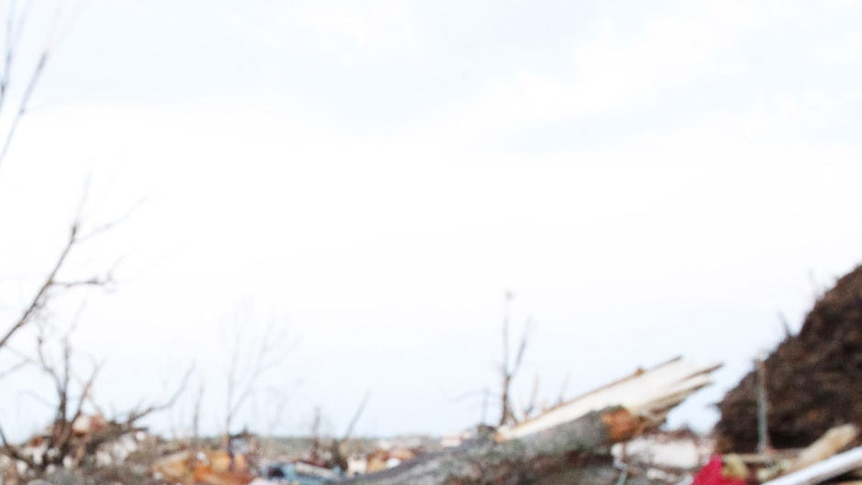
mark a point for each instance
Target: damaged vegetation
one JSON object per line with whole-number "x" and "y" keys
{"x": 610, "y": 435}
{"x": 794, "y": 421}
{"x": 812, "y": 378}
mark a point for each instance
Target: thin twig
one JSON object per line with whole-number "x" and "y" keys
{"x": 14, "y": 368}
{"x": 39, "y": 299}
{"x": 138, "y": 414}
{"x": 22, "y": 108}
{"x": 561, "y": 397}
{"x": 9, "y": 53}
{"x": 243, "y": 385}
{"x": 532, "y": 405}
{"x": 356, "y": 416}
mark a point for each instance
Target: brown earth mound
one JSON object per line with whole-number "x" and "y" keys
{"x": 814, "y": 379}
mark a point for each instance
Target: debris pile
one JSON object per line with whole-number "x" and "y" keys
{"x": 812, "y": 378}
{"x": 206, "y": 466}
{"x": 89, "y": 441}
{"x": 794, "y": 421}
{"x": 569, "y": 442}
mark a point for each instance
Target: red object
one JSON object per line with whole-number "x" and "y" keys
{"x": 710, "y": 474}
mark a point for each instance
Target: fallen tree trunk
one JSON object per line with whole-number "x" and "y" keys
{"x": 522, "y": 460}
{"x": 568, "y": 444}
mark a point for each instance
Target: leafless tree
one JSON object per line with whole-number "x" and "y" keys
{"x": 16, "y": 20}
{"x": 326, "y": 449}
{"x": 315, "y": 434}
{"x": 75, "y": 435}
{"x": 337, "y": 448}
{"x": 533, "y": 404}
{"x": 67, "y": 442}
{"x": 509, "y": 367}
{"x": 16, "y": 107}
{"x": 53, "y": 282}
{"x": 196, "y": 416}
{"x": 251, "y": 357}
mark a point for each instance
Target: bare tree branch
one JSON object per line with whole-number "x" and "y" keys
{"x": 561, "y": 396}
{"x": 13, "y": 452}
{"x": 9, "y": 52}
{"x": 196, "y": 416}
{"x": 358, "y": 414}
{"x": 140, "y": 413}
{"x": 14, "y": 368}
{"x": 65, "y": 439}
{"x": 22, "y": 108}
{"x": 508, "y": 370}
{"x": 14, "y": 30}
{"x": 71, "y": 394}
{"x": 242, "y": 383}
{"x": 522, "y": 347}
{"x": 50, "y": 282}
{"x": 38, "y": 301}
{"x": 24, "y": 361}
{"x": 337, "y": 448}
{"x": 532, "y": 404}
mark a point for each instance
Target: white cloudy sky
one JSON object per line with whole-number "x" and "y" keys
{"x": 648, "y": 179}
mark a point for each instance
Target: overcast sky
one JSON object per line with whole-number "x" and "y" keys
{"x": 648, "y": 179}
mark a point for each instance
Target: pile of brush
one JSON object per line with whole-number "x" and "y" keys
{"x": 813, "y": 378}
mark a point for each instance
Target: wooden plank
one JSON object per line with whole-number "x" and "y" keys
{"x": 824, "y": 470}
{"x": 649, "y": 393}
{"x": 833, "y": 441}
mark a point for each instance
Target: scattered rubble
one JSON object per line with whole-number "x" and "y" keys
{"x": 609, "y": 436}
{"x": 569, "y": 442}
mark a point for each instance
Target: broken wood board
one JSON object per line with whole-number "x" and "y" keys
{"x": 824, "y": 470}
{"x": 835, "y": 440}
{"x": 649, "y": 393}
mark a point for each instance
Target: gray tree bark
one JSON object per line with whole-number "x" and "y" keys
{"x": 574, "y": 452}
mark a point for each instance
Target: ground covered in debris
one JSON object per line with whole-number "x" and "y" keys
{"x": 811, "y": 383}
{"x": 812, "y": 377}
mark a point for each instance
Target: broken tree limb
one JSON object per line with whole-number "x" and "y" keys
{"x": 487, "y": 461}
{"x": 573, "y": 438}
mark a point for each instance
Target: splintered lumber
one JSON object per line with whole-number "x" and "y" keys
{"x": 649, "y": 393}
{"x": 835, "y": 440}
{"x": 824, "y": 470}
{"x": 570, "y": 442}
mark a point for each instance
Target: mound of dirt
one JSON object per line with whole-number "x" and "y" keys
{"x": 814, "y": 379}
